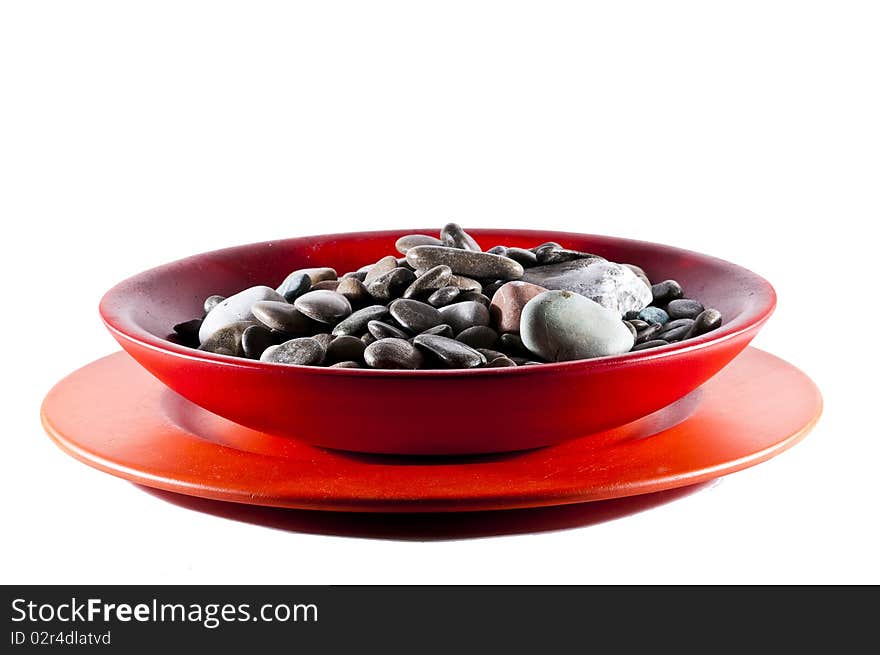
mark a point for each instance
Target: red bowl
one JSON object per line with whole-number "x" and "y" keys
{"x": 433, "y": 411}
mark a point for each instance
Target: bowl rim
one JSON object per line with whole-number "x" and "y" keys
{"x": 113, "y": 312}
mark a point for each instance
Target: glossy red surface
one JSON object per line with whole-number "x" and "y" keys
{"x": 427, "y": 412}
{"x": 112, "y": 415}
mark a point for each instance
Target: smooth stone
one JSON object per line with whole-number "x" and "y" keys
{"x": 638, "y": 323}
{"x": 188, "y": 332}
{"x": 412, "y": 240}
{"x": 384, "y": 265}
{"x": 490, "y": 353}
{"x": 345, "y": 348}
{"x": 295, "y": 285}
{"x": 382, "y": 330}
{"x": 708, "y": 320}
{"x": 525, "y": 257}
{"x": 255, "y": 340}
{"x": 684, "y": 308}
{"x": 546, "y": 255}
{"x": 429, "y": 281}
{"x": 354, "y": 290}
{"x": 512, "y": 344}
{"x": 563, "y": 325}
{"x": 444, "y": 296}
{"x": 413, "y": 315}
{"x": 611, "y": 285}
{"x": 357, "y": 322}
{"x": 675, "y": 334}
{"x": 546, "y": 244}
{"x": 227, "y": 340}
{"x": 451, "y": 353}
{"x": 236, "y": 308}
{"x": 315, "y": 275}
{"x": 453, "y": 236}
{"x": 474, "y": 296}
{"x": 390, "y": 285}
{"x": 402, "y": 263}
{"x": 498, "y": 250}
{"x": 324, "y": 338}
{"x": 393, "y": 354}
{"x": 324, "y": 306}
{"x": 465, "y": 262}
{"x": 346, "y": 364}
{"x": 478, "y": 336}
{"x": 653, "y": 315}
{"x": 368, "y": 339}
{"x": 441, "y": 330}
{"x": 666, "y": 291}
{"x": 648, "y": 333}
{"x": 326, "y": 285}
{"x": 284, "y": 317}
{"x": 211, "y": 302}
{"x": 654, "y": 343}
{"x": 500, "y": 362}
{"x": 462, "y": 315}
{"x": 465, "y": 283}
{"x": 677, "y": 323}
{"x": 490, "y": 289}
{"x": 357, "y": 275}
{"x": 304, "y": 351}
{"x": 507, "y": 304}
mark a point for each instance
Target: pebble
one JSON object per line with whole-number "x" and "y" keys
{"x": 345, "y": 348}
{"x": 227, "y": 340}
{"x": 490, "y": 289}
{"x": 354, "y": 290}
{"x": 675, "y": 334}
{"x": 474, "y": 296}
{"x": 684, "y": 308}
{"x": 441, "y": 330}
{"x": 512, "y": 344}
{"x": 638, "y": 323}
{"x": 478, "y": 336}
{"x": 404, "y": 243}
{"x": 648, "y": 333}
{"x": 462, "y": 315}
{"x": 562, "y": 325}
{"x": 431, "y": 280}
{"x": 611, "y": 285}
{"x": 304, "y": 351}
{"x": 212, "y": 301}
{"x": 326, "y": 285}
{"x": 666, "y": 291}
{"x": 508, "y": 302}
{"x": 546, "y": 244}
{"x": 188, "y": 332}
{"x": 384, "y": 265}
{"x": 368, "y": 339}
{"x": 381, "y": 330}
{"x": 346, "y": 364}
{"x": 525, "y": 257}
{"x": 500, "y": 362}
{"x": 449, "y": 352}
{"x": 453, "y": 236}
{"x": 708, "y": 320}
{"x": 671, "y": 325}
{"x": 653, "y": 315}
{"x": 295, "y": 285}
{"x": 490, "y": 353}
{"x": 357, "y": 275}
{"x": 554, "y": 255}
{"x": 324, "y": 306}
{"x": 255, "y": 340}
{"x": 390, "y": 285}
{"x": 465, "y": 283}
{"x": 654, "y": 343}
{"x": 324, "y": 339}
{"x": 465, "y": 262}
{"x": 315, "y": 275}
{"x": 235, "y": 308}
{"x": 414, "y": 316}
{"x": 284, "y": 317}
{"x": 357, "y": 322}
{"x": 394, "y": 354}
{"x": 498, "y": 250}
{"x": 444, "y": 296}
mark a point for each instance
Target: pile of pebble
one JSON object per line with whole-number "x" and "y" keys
{"x": 445, "y": 303}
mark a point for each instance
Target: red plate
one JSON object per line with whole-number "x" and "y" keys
{"x": 115, "y": 416}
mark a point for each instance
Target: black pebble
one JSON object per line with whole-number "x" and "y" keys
{"x": 684, "y": 308}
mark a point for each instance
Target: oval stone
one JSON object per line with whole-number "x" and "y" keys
{"x": 465, "y": 262}
{"x": 357, "y": 322}
{"x": 393, "y": 354}
{"x": 465, "y": 283}
{"x": 562, "y": 325}
{"x": 449, "y": 352}
{"x": 444, "y": 296}
{"x": 474, "y": 296}
{"x": 453, "y": 236}
{"x": 684, "y": 308}
{"x": 675, "y": 334}
{"x": 345, "y": 348}
{"x": 708, "y": 320}
{"x": 413, "y": 315}
{"x": 285, "y": 318}
{"x": 236, "y": 308}
{"x": 390, "y": 285}
{"x": 666, "y": 291}
{"x": 653, "y": 315}
{"x": 478, "y": 336}
{"x": 384, "y": 265}
{"x": 653, "y": 343}
{"x": 295, "y": 285}
{"x": 512, "y": 344}
{"x": 508, "y": 302}
{"x": 304, "y": 351}
{"x": 315, "y": 275}
{"x": 404, "y": 243}
{"x": 324, "y": 306}
{"x": 354, "y": 290}
{"x": 211, "y": 302}
{"x": 345, "y": 364}
{"x": 500, "y": 362}
{"x": 429, "y": 281}
{"x": 381, "y": 330}
{"x": 462, "y": 315}
{"x": 188, "y": 332}
{"x": 441, "y": 330}
{"x": 255, "y": 340}
{"x": 525, "y": 257}
{"x": 227, "y": 339}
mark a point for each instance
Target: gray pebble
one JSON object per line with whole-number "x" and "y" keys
{"x": 381, "y": 267}
{"x": 500, "y": 362}
{"x": 402, "y": 263}
{"x": 413, "y": 315}
{"x": 188, "y": 332}
{"x": 478, "y": 336}
{"x": 354, "y": 290}
{"x": 315, "y": 275}
{"x": 675, "y": 334}
{"x": 462, "y": 315}
{"x": 648, "y": 333}
{"x": 345, "y": 364}
{"x": 654, "y": 315}
{"x": 666, "y": 291}
{"x": 546, "y": 244}
{"x": 368, "y": 339}
{"x": 345, "y": 348}
{"x": 525, "y": 257}
{"x": 255, "y": 339}
{"x": 474, "y": 296}
{"x": 284, "y": 317}
{"x": 449, "y": 352}
{"x": 654, "y": 343}
{"x": 235, "y": 308}
{"x": 638, "y": 323}
{"x": 295, "y": 285}
{"x": 412, "y": 240}
{"x": 551, "y": 255}
{"x": 677, "y": 323}
{"x": 357, "y": 275}
{"x": 390, "y": 285}
{"x": 324, "y": 306}
{"x": 393, "y": 354}
{"x": 490, "y": 353}
{"x": 381, "y": 330}
{"x": 512, "y": 344}
{"x": 465, "y": 262}
{"x": 490, "y": 288}
{"x": 441, "y": 330}
{"x": 357, "y": 322}
{"x": 429, "y": 281}
{"x": 227, "y": 340}
{"x": 211, "y": 302}
{"x": 498, "y": 250}
{"x": 444, "y": 296}
{"x": 324, "y": 338}
{"x": 708, "y": 320}
{"x": 465, "y": 283}
{"x": 304, "y": 351}
{"x": 325, "y": 285}
{"x": 454, "y": 237}
{"x": 684, "y": 308}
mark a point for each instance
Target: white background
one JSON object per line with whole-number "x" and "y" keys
{"x": 132, "y": 134}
